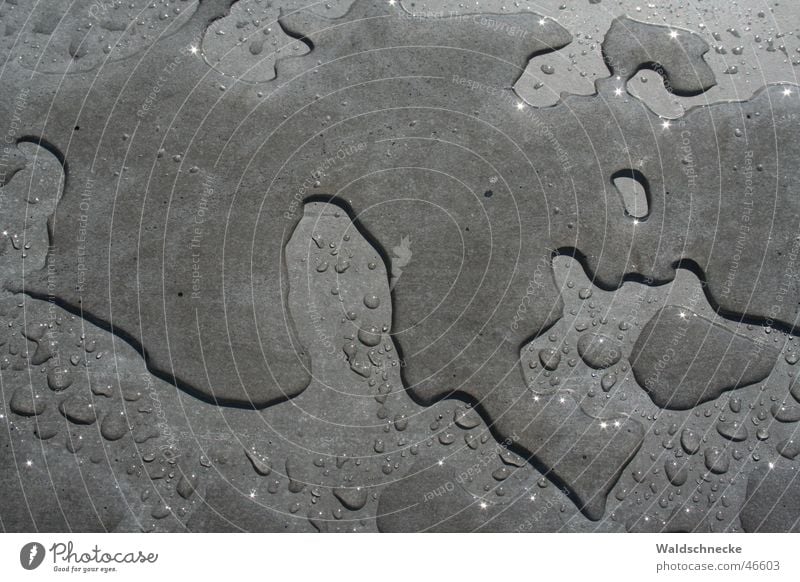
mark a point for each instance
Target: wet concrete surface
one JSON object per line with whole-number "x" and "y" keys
{"x": 387, "y": 266}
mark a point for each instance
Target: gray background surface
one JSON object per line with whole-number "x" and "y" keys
{"x": 359, "y": 454}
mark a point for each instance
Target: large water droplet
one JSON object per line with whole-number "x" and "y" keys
{"x": 598, "y": 351}
{"x": 676, "y": 471}
{"x": 717, "y": 460}
{"x": 690, "y": 441}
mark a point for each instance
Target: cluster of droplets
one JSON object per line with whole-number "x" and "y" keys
{"x": 77, "y": 36}
{"x": 70, "y": 400}
{"x": 598, "y": 346}
{"x": 705, "y": 460}
{"x": 247, "y": 44}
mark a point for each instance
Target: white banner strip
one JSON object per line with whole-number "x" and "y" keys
{"x": 381, "y": 557}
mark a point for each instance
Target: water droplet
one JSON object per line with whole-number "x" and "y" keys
{"x": 400, "y": 422}
{"x": 261, "y": 463}
{"x": 690, "y": 441}
{"x": 295, "y": 486}
{"x": 716, "y": 460}
{"x": 79, "y": 410}
{"x": 187, "y": 485}
{"x": 501, "y": 474}
{"x": 466, "y": 418}
{"x": 786, "y": 412}
{"x": 353, "y": 498}
{"x": 59, "y": 378}
{"x": 732, "y": 430}
{"x": 370, "y": 337}
{"x": 599, "y": 351}
{"x": 447, "y": 438}
{"x": 608, "y": 381}
{"x": 735, "y": 404}
{"x": 114, "y": 426}
{"x": 26, "y": 402}
{"x": 550, "y": 358}
{"x": 789, "y": 448}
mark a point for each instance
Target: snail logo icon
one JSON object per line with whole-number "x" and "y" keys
{"x": 31, "y": 555}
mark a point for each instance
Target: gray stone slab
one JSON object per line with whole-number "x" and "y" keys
{"x": 364, "y": 221}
